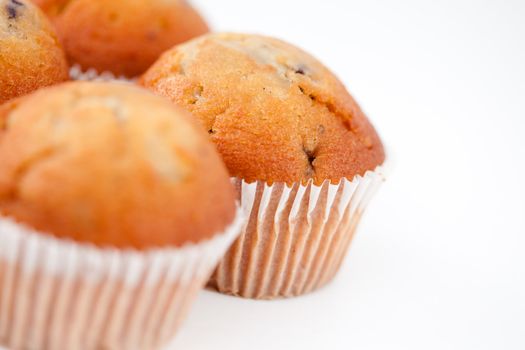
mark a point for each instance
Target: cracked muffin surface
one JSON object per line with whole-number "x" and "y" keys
{"x": 123, "y": 37}
{"x": 111, "y": 165}
{"x": 274, "y": 112}
{"x": 30, "y": 54}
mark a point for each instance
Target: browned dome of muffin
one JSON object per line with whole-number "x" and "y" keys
{"x": 112, "y": 165}
{"x": 30, "y": 55}
{"x": 124, "y": 37}
{"x": 274, "y": 112}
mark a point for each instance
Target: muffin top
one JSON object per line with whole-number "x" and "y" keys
{"x": 274, "y": 112}
{"x": 124, "y": 37}
{"x": 111, "y": 165}
{"x": 30, "y": 55}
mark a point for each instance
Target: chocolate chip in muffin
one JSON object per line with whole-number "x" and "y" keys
{"x": 12, "y": 8}
{"x": 300, "y": 70}
{"x": 310, "y": 155}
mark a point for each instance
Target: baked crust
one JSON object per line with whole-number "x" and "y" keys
{"x": 112, "y": 165}
{"x": 124, "y": 37}
{"x": 274, "y": 112}
{"x": 30, "y": 54}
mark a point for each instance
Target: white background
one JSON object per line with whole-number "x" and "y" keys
{"x": 439, "y": 261}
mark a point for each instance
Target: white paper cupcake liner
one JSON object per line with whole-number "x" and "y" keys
{"x": 294, "y": 238}
{"x": 76, "y": 73}
{"x": 57, "y": 294}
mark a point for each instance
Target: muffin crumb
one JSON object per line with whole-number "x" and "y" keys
{"x": 197, "y": 94}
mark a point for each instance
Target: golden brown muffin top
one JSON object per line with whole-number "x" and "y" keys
{"x": 274, "y": 112}
{"x": 112, "y": 165}
{"x": 30, "y": 55}
{"x": 124, "y": 37}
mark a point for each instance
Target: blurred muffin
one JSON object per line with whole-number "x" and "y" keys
{"x": 150, "y": 163}
{"x": 106, "y": 187}
{"x": 124, "y": 37}
{"x": 278, "y": 117}
{"x": 30, "y": 55}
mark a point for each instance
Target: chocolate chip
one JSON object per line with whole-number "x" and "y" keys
{"x": 310, "y": 155}
{"x": 311, "y": 159}
{"x": 12, "y": 13}
{"x": 310, "y": 169}
{"x": 12, "y": 8}
{"x": 301, "y": 70}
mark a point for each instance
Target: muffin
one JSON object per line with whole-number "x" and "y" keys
{"x": 303, "y": 155}
{"x": 123, "y": 37}
{"x": 114, "y": 210}
{"x": 30, "y": 54}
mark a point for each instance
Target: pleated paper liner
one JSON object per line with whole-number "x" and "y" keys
{"x": 77, "y": 73}
{"x": 57, "y": 294}
{"x": 295, "y": 238}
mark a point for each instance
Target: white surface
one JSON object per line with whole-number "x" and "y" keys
{"x": 439, "y": 262}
